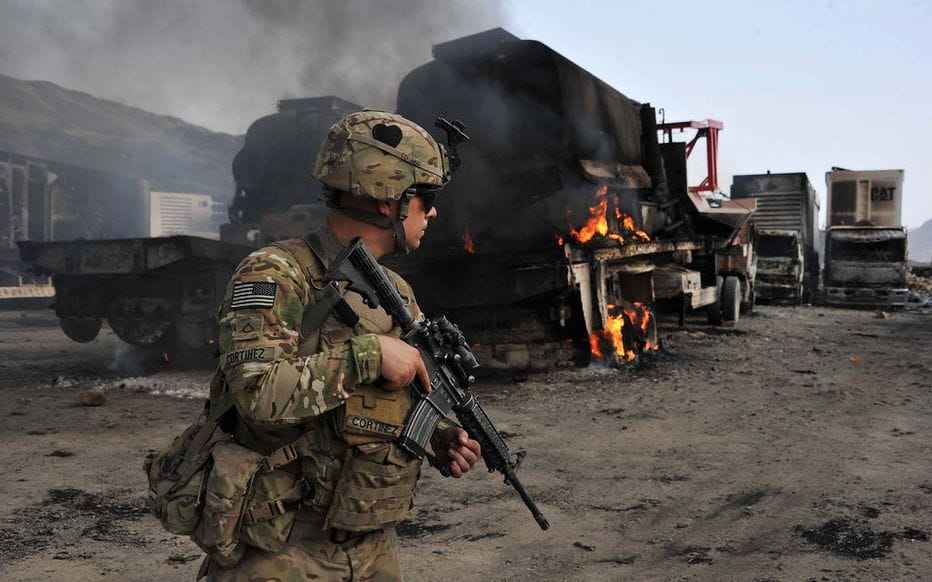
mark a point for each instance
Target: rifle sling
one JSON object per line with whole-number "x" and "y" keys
{"x": 332, "y": 298}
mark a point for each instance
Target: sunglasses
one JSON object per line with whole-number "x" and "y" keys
{"x": 428, "y": 196}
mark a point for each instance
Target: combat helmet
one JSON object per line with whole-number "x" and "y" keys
{"x": 382, "y": 156}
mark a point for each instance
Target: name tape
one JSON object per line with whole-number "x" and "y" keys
{"x": 266, "y": 354}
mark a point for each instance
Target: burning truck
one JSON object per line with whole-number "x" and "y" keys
{"x": 568, "y": 217}
{"x": 567, "y": 220}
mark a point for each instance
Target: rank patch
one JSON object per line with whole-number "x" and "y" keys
{"x": 258, "y": 294}
{"x": 246, "y": 326}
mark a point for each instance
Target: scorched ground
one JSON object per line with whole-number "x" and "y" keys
{"x": 794, "y": 448}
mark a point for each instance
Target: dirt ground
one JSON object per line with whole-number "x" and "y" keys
{"x": 793, "y": 447}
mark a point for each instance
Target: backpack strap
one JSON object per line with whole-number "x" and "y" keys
{"x": 290, "y": 500}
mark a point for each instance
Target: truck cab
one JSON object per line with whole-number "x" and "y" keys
{"x": 866, "y": 266}
{"x": 781, "y": 265}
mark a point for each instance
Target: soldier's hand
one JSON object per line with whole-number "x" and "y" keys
{"x": 400, "y": 364}
{"x": 457, "y": 452}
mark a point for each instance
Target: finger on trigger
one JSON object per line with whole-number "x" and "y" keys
{"x": 424, "y": 376}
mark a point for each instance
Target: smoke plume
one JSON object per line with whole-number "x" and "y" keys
{"x": 223, "y": 63}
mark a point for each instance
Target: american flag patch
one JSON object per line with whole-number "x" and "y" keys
{"x": 253, "y": 295}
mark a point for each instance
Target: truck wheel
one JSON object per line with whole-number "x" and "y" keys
{"x": 139, "y": 331}
{"x": 81, "y": 329}
{"x": 713, "y": 312}
{"x": 731, "y": 299}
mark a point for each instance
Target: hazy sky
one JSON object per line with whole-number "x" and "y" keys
{"x": 800, "y": 86}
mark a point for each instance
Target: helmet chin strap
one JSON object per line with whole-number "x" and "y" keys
{"x": 396, "y": 225}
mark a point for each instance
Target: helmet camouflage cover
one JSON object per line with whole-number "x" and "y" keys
{"x": 374, "y": 154}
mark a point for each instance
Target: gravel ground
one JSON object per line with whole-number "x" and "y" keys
{"x": 795, "y": 446}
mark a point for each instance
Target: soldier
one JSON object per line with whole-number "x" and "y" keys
{"x": 321, "y": 399}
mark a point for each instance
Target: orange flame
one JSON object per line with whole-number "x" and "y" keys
{"x": 613, "y": 336}
{"x": 468, "y": 243}
{"x": 210, "y": 342}
{"x": 597, "y": 224}
{"x": 165, "y": 357}
{"x": 638, "y": 316}
{"x": 594, "y": 344}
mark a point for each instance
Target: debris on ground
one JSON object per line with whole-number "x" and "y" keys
{"x": 93, "y": 397}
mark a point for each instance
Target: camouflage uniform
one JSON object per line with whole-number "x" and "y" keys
{"x": 284, "y": 385}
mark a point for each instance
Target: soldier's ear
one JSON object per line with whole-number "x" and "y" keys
{"x": 388, "y": 208}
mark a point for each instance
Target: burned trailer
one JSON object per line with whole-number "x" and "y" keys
{"x": 163, "y": 292}
{"x": 550, "y": 235}
{"x": 151, "y": 291}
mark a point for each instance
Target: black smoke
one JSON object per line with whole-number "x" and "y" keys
{"x": 223, "y": 63}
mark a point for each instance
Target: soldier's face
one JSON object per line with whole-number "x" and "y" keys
{"x": 416, "y": 222}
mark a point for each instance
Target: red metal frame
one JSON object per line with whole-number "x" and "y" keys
{"x": 709, "y": 130}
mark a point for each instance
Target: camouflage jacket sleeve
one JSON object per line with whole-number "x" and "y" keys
{"x": 260, "y": 322}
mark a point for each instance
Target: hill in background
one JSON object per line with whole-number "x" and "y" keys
{"x": 41, "y": 119}
{"x": 920, "y": 243}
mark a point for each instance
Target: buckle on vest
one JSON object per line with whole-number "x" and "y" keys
{"x": 278, "y": 458}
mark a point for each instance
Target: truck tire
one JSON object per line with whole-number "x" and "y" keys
{"x": 731, "y": 299}
{"x": 713, "y": 312}
{"x": 139, "y": 331}
{"x": 81, "y": 329}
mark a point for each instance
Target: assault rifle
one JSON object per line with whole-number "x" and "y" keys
{"x": 449, "y": 362}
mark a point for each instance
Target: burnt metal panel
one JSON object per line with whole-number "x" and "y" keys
{"x": 38, "y": 201}
{"x": 532, "y": 116}
{"x": 868, "y": 273}
{"x": 867, "y": 235}
{"x": 784, "y": 202}
{"x": 126, "y": 256}
{"x": 866, "y": 296}
{"x": 862, "y": 198}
